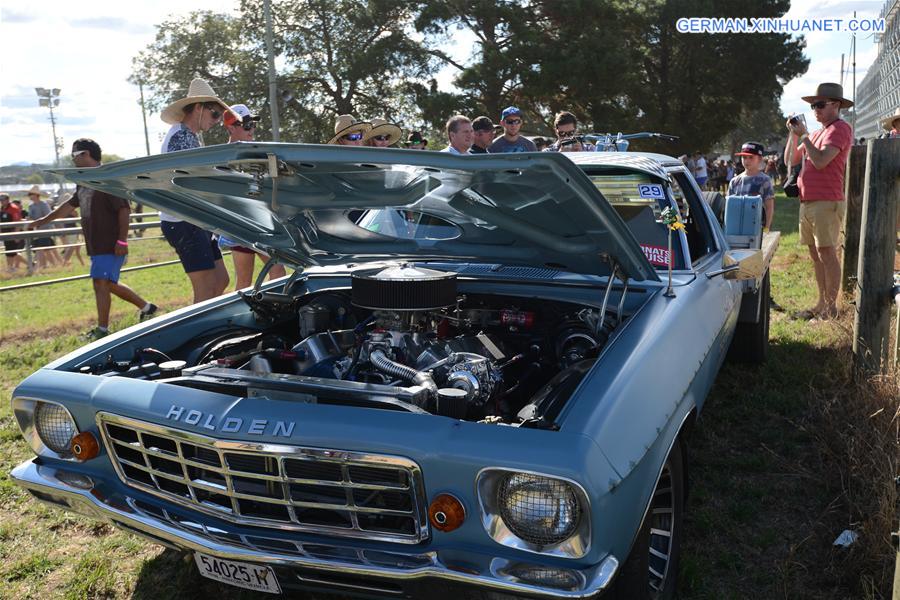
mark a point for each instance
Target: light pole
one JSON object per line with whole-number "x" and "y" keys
{"x": 50, "y": 99}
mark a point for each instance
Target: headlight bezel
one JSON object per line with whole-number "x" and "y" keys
{"x": 24, "y": 410}
{"x": 487, "y": 486}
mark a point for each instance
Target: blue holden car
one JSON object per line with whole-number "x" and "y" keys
{"x": 481, "y": 374}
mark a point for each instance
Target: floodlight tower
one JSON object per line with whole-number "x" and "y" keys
{"x": 50, "y": 99}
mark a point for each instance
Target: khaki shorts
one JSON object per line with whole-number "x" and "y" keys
{"x": 820, "y": 223}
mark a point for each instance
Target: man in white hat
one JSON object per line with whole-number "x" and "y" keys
{"x": 821, "y": 182}
{"x": 197, "y": 250}
{"x": 383, "y": 134}
{"x": 349, "y": 132}
{"x": 891, "y": 124}
{"x": 240, "y": 122}
{"x": 46, "y": 255}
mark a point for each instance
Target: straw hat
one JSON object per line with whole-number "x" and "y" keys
{"x": 829, "y": 91}
{"x": 198, "y": 91}
{"x": 888, "y": 122}
{"x": 36, "y": 190}
{"x": 382, "y": 127}
{"x": 347, "y": 124}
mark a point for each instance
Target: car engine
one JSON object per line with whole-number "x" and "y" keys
{"x": 403, "y": 338}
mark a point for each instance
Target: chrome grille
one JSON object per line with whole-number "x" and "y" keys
{"x": 350, "y": 494}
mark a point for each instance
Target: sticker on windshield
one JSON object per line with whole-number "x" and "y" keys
{"x": 657, "y": 255}
{"x": 651, "y": 190}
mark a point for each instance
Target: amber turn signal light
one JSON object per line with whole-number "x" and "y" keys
{"x": 85, "y": 446}
{"x": 446, "y": 513}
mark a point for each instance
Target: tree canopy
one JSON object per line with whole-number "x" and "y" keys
{"x": 617, "y": 65}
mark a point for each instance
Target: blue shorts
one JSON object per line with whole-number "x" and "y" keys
{"x": 196, "y": 248}
{"x": 107, "y": 266}
{"x": 701, "y": 181}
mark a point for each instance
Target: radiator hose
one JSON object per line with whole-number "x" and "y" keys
{"x": 383, "y": 363}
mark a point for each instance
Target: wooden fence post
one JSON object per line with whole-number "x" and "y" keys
{"x": 871, "y": 329}
{"x": 854, "y": 182}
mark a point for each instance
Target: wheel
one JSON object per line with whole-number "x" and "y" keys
{"x": 651, "y": 570}
{"x": 716, "y": 202}
{"x": 751, "y": 340}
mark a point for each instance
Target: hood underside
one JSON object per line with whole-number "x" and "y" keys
{"x": 312, "y": 204}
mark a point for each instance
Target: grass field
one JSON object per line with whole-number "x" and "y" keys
{"x": 785, "y": 457}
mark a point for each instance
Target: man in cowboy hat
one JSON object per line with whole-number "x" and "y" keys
{"x": 821, "y": 182}
{"x": 37, "y": 209}
{"x": 104, "y": 221}
{"x": 197, "y": 250}
{"x": 383, "y": 134}
{"x": 891, "y": 124}
{"x": 348, "y": 131}
{"x": 415, "y": 141}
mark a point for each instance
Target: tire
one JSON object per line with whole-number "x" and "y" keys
{"x": 716, "y": 202}
{"x": 751, "y": 340}
{"x": 651, "y": 570}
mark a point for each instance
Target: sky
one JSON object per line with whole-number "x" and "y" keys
{"x": 85, "y": 49}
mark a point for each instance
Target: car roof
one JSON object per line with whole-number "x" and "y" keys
{"x": 649, "y": 162}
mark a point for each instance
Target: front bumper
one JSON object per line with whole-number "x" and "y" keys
{"x": 316, "y": 565}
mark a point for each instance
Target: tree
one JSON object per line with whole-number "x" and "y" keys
{"x": 342, "y": 56}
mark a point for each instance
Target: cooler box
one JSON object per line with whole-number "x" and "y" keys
{"x": 743, "y": 221}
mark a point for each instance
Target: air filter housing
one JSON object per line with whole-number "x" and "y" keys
{"x": 403, "y": 287}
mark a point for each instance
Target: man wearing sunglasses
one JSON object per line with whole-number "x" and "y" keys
{"x": 511, "y": 141}
{"x": 566, "y": 126}
{"x": 821, "y": 183}
{"x": 104, "y": 222}
{"x": 197, "y": 250}
{"x": 240, "y": 123}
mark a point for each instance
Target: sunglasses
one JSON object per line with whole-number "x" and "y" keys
{"x": 381, "y": 138}
{"x": 249, "y": 125}
{"x": 820, "y": 104}
{"x": 214, "y": 111}
{"x": 565, "y": 134}
{"x": 78, "y": 153}
{"x": 513, "y": 121}
{"x": 353, "y": 137}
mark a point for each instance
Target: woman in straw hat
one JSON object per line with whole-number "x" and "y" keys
{"x": 891, "y": 124}
{"x": 348, "y": 131}
{"x": 383, "y": 134}
{"x": 197, "y": 250}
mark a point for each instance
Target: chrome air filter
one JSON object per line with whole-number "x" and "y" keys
{"x": 403, "y": 287}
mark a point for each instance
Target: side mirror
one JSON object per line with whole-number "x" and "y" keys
{"x": 741, "y": 264}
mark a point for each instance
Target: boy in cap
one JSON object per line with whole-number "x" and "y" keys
{"x": 511, "y": 141}
{"x": 753, "y": 181}
{"x": 484, "y": 135}
{"x": 240, "y": 123}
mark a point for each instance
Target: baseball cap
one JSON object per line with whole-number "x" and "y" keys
{"x": 508, "y": 111}
{"x": 483, "y": 124}
{"x": 751, "y": 149}
{"x": 238, "y": 113}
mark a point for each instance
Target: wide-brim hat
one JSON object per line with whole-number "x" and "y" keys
{"x": 347, "y": 124}
{"x": 829, "y": 91}
{"x": 415, "y": 137}
{"x": 382, "y": 127}
{"x": 36, "y": 190}
{"x": 888, "y": 122}
{"x": 198, "y": 91}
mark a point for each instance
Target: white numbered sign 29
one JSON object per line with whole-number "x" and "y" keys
{"x": 651, "y": 190}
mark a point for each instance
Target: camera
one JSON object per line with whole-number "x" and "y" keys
{"x": 797, "y": 119}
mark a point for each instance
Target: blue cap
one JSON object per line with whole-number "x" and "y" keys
{"x": 510, "y": 110}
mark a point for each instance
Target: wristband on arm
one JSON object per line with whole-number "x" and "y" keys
{"x": 121, "y": 243}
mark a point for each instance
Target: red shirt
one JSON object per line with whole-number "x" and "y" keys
{"x": 828, "y": 183}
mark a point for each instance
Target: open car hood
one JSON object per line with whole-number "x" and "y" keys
{"x": 332, "y": 205}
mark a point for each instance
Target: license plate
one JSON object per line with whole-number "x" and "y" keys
{"x": 240, "y": 574}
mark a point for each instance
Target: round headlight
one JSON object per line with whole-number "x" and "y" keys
{"x": 539, "y": 510}
{"x": 55, "y": 427}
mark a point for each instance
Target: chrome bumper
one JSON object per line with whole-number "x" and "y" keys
{"x": 76, "y": 492}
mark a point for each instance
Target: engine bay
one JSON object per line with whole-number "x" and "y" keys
{"x": 402, "y": 337}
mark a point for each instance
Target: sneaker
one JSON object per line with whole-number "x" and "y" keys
{"x": 95, "y": 334}
{"x": 148, "y": 314}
